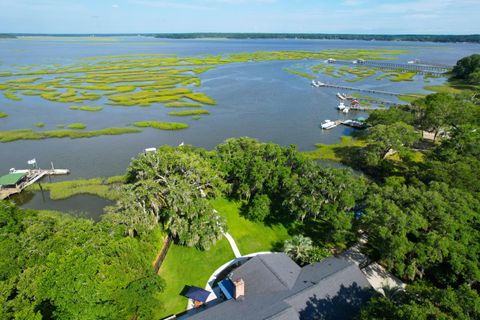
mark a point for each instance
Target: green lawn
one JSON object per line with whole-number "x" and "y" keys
{"x": 189, "y": 266}
{"x": 250, "y": 236}
{"x": 185, "y": 266}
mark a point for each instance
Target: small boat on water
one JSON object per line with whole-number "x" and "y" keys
{"x": 328, "y": 124}
{"x": 355, "y": 124}
{"x": 345, "y": 110}
{"x": 341, "y": 106}
{"x": 317, "y": 84}
{"x": 341, "y": 96}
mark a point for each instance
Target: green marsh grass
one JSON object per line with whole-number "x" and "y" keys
{"x": 180, "y": 104}
{"x": 443, "y": 89}
{"x": 77, "y": 126}
{"x": 40, "y": 125}
{"x": 184, "y": 113}
{"x": 335, "y": 152}
{"x": 86, "y": 108}
{"x": 101, "y": 187}
{"x": 10, "y": 95}
{"x": 24, "y": 80}
{"x": 28, "y": 134}
{"x": 301, "y": 74}
{"x": 3, "y": 115}
{"x": 161, "y": 125}
{"x": 201, "y": 97}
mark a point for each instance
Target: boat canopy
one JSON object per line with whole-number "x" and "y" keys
{"x": 12, "y": 178}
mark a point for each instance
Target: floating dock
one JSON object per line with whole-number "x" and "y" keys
{"x": 17, "y": 180}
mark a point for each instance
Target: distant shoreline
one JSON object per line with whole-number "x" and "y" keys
{"x": 473, "y": 38}
{"x": 320, "y": 36}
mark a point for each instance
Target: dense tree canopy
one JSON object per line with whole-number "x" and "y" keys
{"x": 55, "y": 266}
{"x": 423, "y": 302}
{"x": 383, "y": 140}
{"x": 457, "y": 160}
{"x": 425, "y": 231}
{"x": 301, "y": 189}
{"x": 468, "y": 69}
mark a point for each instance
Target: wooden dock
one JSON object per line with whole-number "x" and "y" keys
{"x": 319, "y": 84}
{"x": 433, "y": 69}
{"x": 32, "y": 176}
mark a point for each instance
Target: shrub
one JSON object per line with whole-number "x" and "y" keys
{"x": 258, "y": 208}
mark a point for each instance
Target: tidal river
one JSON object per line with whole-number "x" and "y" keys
{"x": 257, "y": 99}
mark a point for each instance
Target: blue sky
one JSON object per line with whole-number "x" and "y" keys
{"x": 317, "y": 16}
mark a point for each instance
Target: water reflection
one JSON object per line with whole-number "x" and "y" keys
{"x": 86, "y": 206}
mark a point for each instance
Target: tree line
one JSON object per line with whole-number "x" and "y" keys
{"x": 367, "y": 37}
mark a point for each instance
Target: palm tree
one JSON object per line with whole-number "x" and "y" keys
{"x": 298, "y": 247}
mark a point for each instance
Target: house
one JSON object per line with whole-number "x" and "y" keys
{"x": 272, "y": 286}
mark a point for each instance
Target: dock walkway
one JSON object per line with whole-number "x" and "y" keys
{"x": 319, "y": 84}
{"x": 33, "y": 176}
{"x": 437, "y": 70}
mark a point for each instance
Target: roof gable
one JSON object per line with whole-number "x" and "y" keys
{"x": 277, "y": 288}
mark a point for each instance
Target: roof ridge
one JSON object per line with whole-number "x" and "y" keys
{"x": 274, "y": 273}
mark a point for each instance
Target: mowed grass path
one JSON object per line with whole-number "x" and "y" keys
{"x": 250, "y": 236}
{"x": 189, "y": 266}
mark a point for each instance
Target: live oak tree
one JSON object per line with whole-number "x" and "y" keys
{"x": 442, "y": 111}
{"x": 383, "y": 139}
{"x": 171, "y": 187}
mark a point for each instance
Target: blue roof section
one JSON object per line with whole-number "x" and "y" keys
{"x": 227, "y": 288}
{"x": 198, "y": 294}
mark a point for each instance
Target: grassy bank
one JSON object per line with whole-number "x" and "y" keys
{"x": 446, "y": 88}
{"x": 161, "y": 125}
{"x": 337, "y": 152}
{"x": 3, "y": 115}
{"x": 102, "y": 187}
{"x": 28, "y": 134}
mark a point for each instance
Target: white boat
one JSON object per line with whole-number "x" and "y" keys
{"x": 341, "y": 96}
{"x": 13, "y": 170}
{"x": 317, "y": 84}
{"x": 341, "y": 106}
{"x": 345, "y": 110}
{"x": 150, "y": 150}
{"x": 328, "y": 124}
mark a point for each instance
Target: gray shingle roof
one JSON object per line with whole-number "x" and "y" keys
{"x": 277, "y": 288}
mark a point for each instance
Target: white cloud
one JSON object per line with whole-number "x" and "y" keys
{"x": 115, "y": 6}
